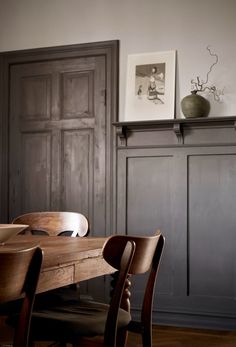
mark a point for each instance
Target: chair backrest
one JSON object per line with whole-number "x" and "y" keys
{"x": 19, "y": 273}
{"x": 145, "y": 257}
{"x": 55, "y": 223}
{"x": 122, "y": 262}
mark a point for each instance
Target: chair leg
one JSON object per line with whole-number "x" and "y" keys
{"x": 147, "y": 337}
{"x": 121, "y": 338}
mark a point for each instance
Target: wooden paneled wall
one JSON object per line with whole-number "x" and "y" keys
{"x": 180, "y": 176}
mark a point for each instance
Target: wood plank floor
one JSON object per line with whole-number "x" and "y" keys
{"x": 163, "y": 337}
{"x": 180, "y": 337}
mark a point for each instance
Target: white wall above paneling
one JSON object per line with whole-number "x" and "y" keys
{"x": 187, "y": 26}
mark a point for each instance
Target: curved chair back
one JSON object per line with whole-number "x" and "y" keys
{"x": 146, "y": 257}
{"x": 123, "y": 262}
{"x": 55, "y": 223}
{"x": 145, "y": 250}
{"x": 19, "y": 277}
{"x": 77, "y": 321}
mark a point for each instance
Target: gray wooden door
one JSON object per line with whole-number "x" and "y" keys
{"x": 57, "y": 138}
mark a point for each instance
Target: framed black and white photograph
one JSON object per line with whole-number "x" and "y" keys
{"x": 150, "y": 87}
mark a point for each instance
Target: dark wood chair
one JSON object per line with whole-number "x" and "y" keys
{"x": 107, "y": 324}
{"x": 19, "y": 273}
{"x": 54, "y": 223}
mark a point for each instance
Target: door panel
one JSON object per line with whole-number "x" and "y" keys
{"x": 36, "y": 149}
{"x": 58, "y": 138}
{"x": 77, "y": 171}
{"x": 35, "y": 97}
{"x": 77, "y": 88}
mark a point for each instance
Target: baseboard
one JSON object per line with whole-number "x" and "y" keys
{"x": 190, "y": 320}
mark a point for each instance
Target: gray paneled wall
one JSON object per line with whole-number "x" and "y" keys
{"x": 185, "y": 185}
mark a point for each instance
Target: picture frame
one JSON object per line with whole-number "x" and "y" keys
{"x": 150, "y": 86}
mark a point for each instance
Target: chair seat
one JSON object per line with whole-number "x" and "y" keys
{"x": 55, "y": 297}
{"x": 74, "y": 319}
{"x": 48, "y": 299}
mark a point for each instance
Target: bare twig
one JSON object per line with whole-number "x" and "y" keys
{"x": 201, "y": 86}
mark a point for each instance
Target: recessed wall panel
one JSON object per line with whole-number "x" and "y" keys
{"x": 211, "y": 227}
{"x": 149, "y": 206}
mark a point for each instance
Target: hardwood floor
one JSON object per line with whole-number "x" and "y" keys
{"x": 162, "y": 337}
{"x": 183, "y": 337}
{"x": 180, "y": 337}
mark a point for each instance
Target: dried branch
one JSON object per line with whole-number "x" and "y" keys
{"x": 201, "y": 86}
{"x": 211, "y": 67}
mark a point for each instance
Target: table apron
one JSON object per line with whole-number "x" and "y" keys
{"x": 65, "y": 274}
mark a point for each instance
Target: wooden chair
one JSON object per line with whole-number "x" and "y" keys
{"x": 19, "y": 273}
{"x": 72, "y": 322}
{"x": 54, "y": 223}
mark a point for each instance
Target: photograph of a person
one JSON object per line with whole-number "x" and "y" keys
{"x": 150, "y": 82}
{"x": 150, "y": 88}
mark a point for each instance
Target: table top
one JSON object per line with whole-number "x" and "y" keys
{"x": 66, "y": 259}
{"x": 57, "y": 249}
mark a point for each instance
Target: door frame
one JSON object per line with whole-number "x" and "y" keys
{"x": 109, "y": 49}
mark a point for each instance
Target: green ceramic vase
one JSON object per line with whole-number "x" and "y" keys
{"x": 194, "y": 106}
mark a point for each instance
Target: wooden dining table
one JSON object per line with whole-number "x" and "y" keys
{"x": 66, "y": 260}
